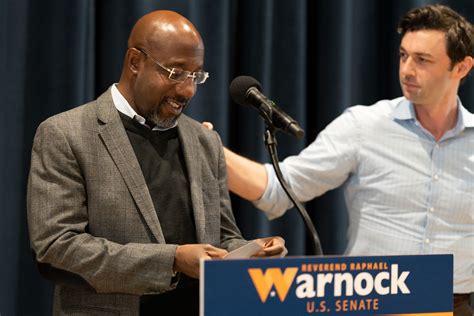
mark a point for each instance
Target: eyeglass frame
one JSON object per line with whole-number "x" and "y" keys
{"x": 189, "y": 74}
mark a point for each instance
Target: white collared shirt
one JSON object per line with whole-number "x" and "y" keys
{"x": 124, "y": 107}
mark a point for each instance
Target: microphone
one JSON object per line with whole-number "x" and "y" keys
{"x": 246, "y": 90}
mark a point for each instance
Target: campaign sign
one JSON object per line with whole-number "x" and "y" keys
{"x": 375, "y": 285}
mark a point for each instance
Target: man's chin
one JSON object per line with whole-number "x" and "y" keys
{"x": 167, "y": 122}
{"x": 413, "y": 98}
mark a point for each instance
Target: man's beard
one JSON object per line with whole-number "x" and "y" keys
{"x": 162, "y": 122}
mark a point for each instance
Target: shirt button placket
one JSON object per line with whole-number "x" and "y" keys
{"x": 435, "y": 169}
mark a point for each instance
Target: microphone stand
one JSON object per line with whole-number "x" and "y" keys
{"x": 270, "y": 143}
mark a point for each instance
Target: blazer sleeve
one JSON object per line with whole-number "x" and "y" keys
{"x": 231, "y": 237}
{"x": 58, "y": 225}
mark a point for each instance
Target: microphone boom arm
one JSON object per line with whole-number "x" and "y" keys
{"x": 270, "y": 143}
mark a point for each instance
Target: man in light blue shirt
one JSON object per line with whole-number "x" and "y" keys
{"x": 407, "y": 165}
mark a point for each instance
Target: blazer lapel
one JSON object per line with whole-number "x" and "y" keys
{"x": 191, "y": 153}
{"x": 116, "y": 140}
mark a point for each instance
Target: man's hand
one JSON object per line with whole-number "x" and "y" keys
{"x": 208, "y": 125}
{"x": 272, "y": 247}
{"x": 187, "y": 257}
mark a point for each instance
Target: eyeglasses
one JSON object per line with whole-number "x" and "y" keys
{"x": 178, "y": 74}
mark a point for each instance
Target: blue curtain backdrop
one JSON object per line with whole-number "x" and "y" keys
{"x": 315, "y": 58}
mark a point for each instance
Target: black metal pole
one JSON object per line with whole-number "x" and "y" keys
{"x": 270, "y": 143}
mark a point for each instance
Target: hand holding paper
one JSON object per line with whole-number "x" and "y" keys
{"x": 262, "y": 247}
{"x": 272, "y": 247}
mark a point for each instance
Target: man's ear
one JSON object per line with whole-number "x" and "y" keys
{"x": 464, "y": 66}
{"x": 133, "y": 60}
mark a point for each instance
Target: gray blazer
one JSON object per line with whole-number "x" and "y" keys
{"x": 90, "y": 212}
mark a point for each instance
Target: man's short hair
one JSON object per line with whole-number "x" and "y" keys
{"x": 459, "y": 32}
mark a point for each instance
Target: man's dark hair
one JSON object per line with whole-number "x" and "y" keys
{"x": 459, "y": 32}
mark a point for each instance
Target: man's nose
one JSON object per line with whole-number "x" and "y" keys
{"x": 186, "y": 88}
{"x": 407, "y": 67}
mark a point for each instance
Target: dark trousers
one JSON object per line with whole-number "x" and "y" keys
{"x": 462, "y": 305}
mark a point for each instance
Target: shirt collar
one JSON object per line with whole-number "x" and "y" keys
{"x": 122, "y": 105}
{"x": 406, "y": 111}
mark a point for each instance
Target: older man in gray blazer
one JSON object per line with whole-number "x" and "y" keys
{"x": 125, "y": 194}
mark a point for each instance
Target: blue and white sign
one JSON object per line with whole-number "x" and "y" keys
{"x": 377, "y": 285}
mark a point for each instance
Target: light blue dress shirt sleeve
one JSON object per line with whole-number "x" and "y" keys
{"x": 334, "y": 150}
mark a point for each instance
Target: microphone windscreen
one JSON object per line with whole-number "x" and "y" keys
{"x": 239, "y": 86}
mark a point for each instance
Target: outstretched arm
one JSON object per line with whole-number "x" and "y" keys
{"x": 247, "y": 178}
